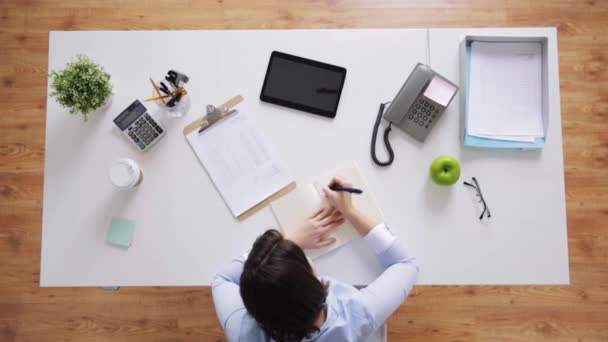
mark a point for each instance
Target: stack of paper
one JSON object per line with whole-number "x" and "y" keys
{"x": 504, "y": 99}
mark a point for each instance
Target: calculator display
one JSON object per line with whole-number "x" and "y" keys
{"x": 129, "y": 115}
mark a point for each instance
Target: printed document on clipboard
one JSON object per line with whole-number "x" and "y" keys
{"x": 241, "y": 163}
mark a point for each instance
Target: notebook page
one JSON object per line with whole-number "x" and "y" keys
{"x": 505, "y": 90}
{"x": 241, "y": 164}
{"x": 293, "y": 209}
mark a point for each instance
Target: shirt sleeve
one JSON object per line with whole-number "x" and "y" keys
{"x": 385, "y": 294}
{"x": 227, "y": 300}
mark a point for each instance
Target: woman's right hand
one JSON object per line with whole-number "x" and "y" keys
{"x": 341, "y": 200}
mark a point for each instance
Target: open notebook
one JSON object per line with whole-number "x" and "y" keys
{"x": 294, "y": 208}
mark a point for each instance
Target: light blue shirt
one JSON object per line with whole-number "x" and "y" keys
{"x": 352, "y": 314}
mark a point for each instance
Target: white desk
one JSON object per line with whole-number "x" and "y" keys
{"x": 185, "y": 233}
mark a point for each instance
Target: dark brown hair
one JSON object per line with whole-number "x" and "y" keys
{"x": 280, "y": 289}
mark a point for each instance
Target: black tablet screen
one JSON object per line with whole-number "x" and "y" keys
{"x": 303, "y": 84}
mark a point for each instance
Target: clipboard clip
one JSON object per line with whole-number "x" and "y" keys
{"x": 214, "y": 114}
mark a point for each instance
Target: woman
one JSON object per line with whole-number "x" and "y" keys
{"x": 273, "y": 293}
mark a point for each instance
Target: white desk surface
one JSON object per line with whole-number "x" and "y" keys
{"x": 184, "y": 232}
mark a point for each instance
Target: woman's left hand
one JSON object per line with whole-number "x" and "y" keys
{"x": 313, "y": 233}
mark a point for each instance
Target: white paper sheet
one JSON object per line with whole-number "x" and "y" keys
{"x": 241, "y": 164}
{"x": 519, "y": 138}
{"x": 505, "y": 90}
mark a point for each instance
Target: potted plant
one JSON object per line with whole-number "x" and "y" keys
{"x": 82, "y": 87}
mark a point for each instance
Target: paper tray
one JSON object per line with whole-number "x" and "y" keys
{"x": 465, "y": 63}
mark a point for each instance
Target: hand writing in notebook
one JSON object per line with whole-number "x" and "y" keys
{"x": 358, "y": 210}
{"x": 340, "y": 199}
{"x": 314, "y": 232}
{"x": 344, "y": 203}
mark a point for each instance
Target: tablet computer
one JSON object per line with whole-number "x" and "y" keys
{"x": 303, "y": 84}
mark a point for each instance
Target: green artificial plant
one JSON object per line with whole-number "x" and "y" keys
{"x": 82, "y": 86}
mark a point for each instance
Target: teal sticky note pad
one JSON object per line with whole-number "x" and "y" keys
{"x": 120, "y": 232}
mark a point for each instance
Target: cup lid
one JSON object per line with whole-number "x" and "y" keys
{"x": 124, "y": 173}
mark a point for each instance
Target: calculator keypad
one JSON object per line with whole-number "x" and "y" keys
{"x": 144, "y": 131}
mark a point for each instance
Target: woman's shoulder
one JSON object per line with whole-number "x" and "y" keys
{"x": 249, "y": 330}
{"x": 338, "y": 286}
{"x": 345, "y": 297}
{"x": 348, "y": 317}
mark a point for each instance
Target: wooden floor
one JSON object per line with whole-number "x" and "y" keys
{"x": 470, "y": 313}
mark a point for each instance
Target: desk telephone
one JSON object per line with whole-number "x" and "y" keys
{"x": 416, "y": 108}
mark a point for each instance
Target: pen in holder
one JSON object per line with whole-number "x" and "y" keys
{"x": 170, "y": 94}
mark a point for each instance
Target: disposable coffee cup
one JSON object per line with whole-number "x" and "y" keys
{"x": 125, "y": 173}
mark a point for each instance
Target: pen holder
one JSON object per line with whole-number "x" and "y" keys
{"x": 180, "y": 109}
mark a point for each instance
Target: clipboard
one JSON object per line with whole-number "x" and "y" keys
{"x": 214, "y": 116}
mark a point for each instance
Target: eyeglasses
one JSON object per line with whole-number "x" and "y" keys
{"x": 475, "y": 186}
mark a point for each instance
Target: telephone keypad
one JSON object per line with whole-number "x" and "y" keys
{"x": 423, "y": 113}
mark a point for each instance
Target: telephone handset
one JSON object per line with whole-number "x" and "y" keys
{"x": 416, "y": 108}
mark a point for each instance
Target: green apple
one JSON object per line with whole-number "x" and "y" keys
{"x": 445, "y": 170}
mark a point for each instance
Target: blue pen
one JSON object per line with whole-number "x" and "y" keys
{"x": 165, "y": 89}
{"x": 346, "y": 189}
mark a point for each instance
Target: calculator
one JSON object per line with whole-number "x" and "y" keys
{"x": 141, "y": 128}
